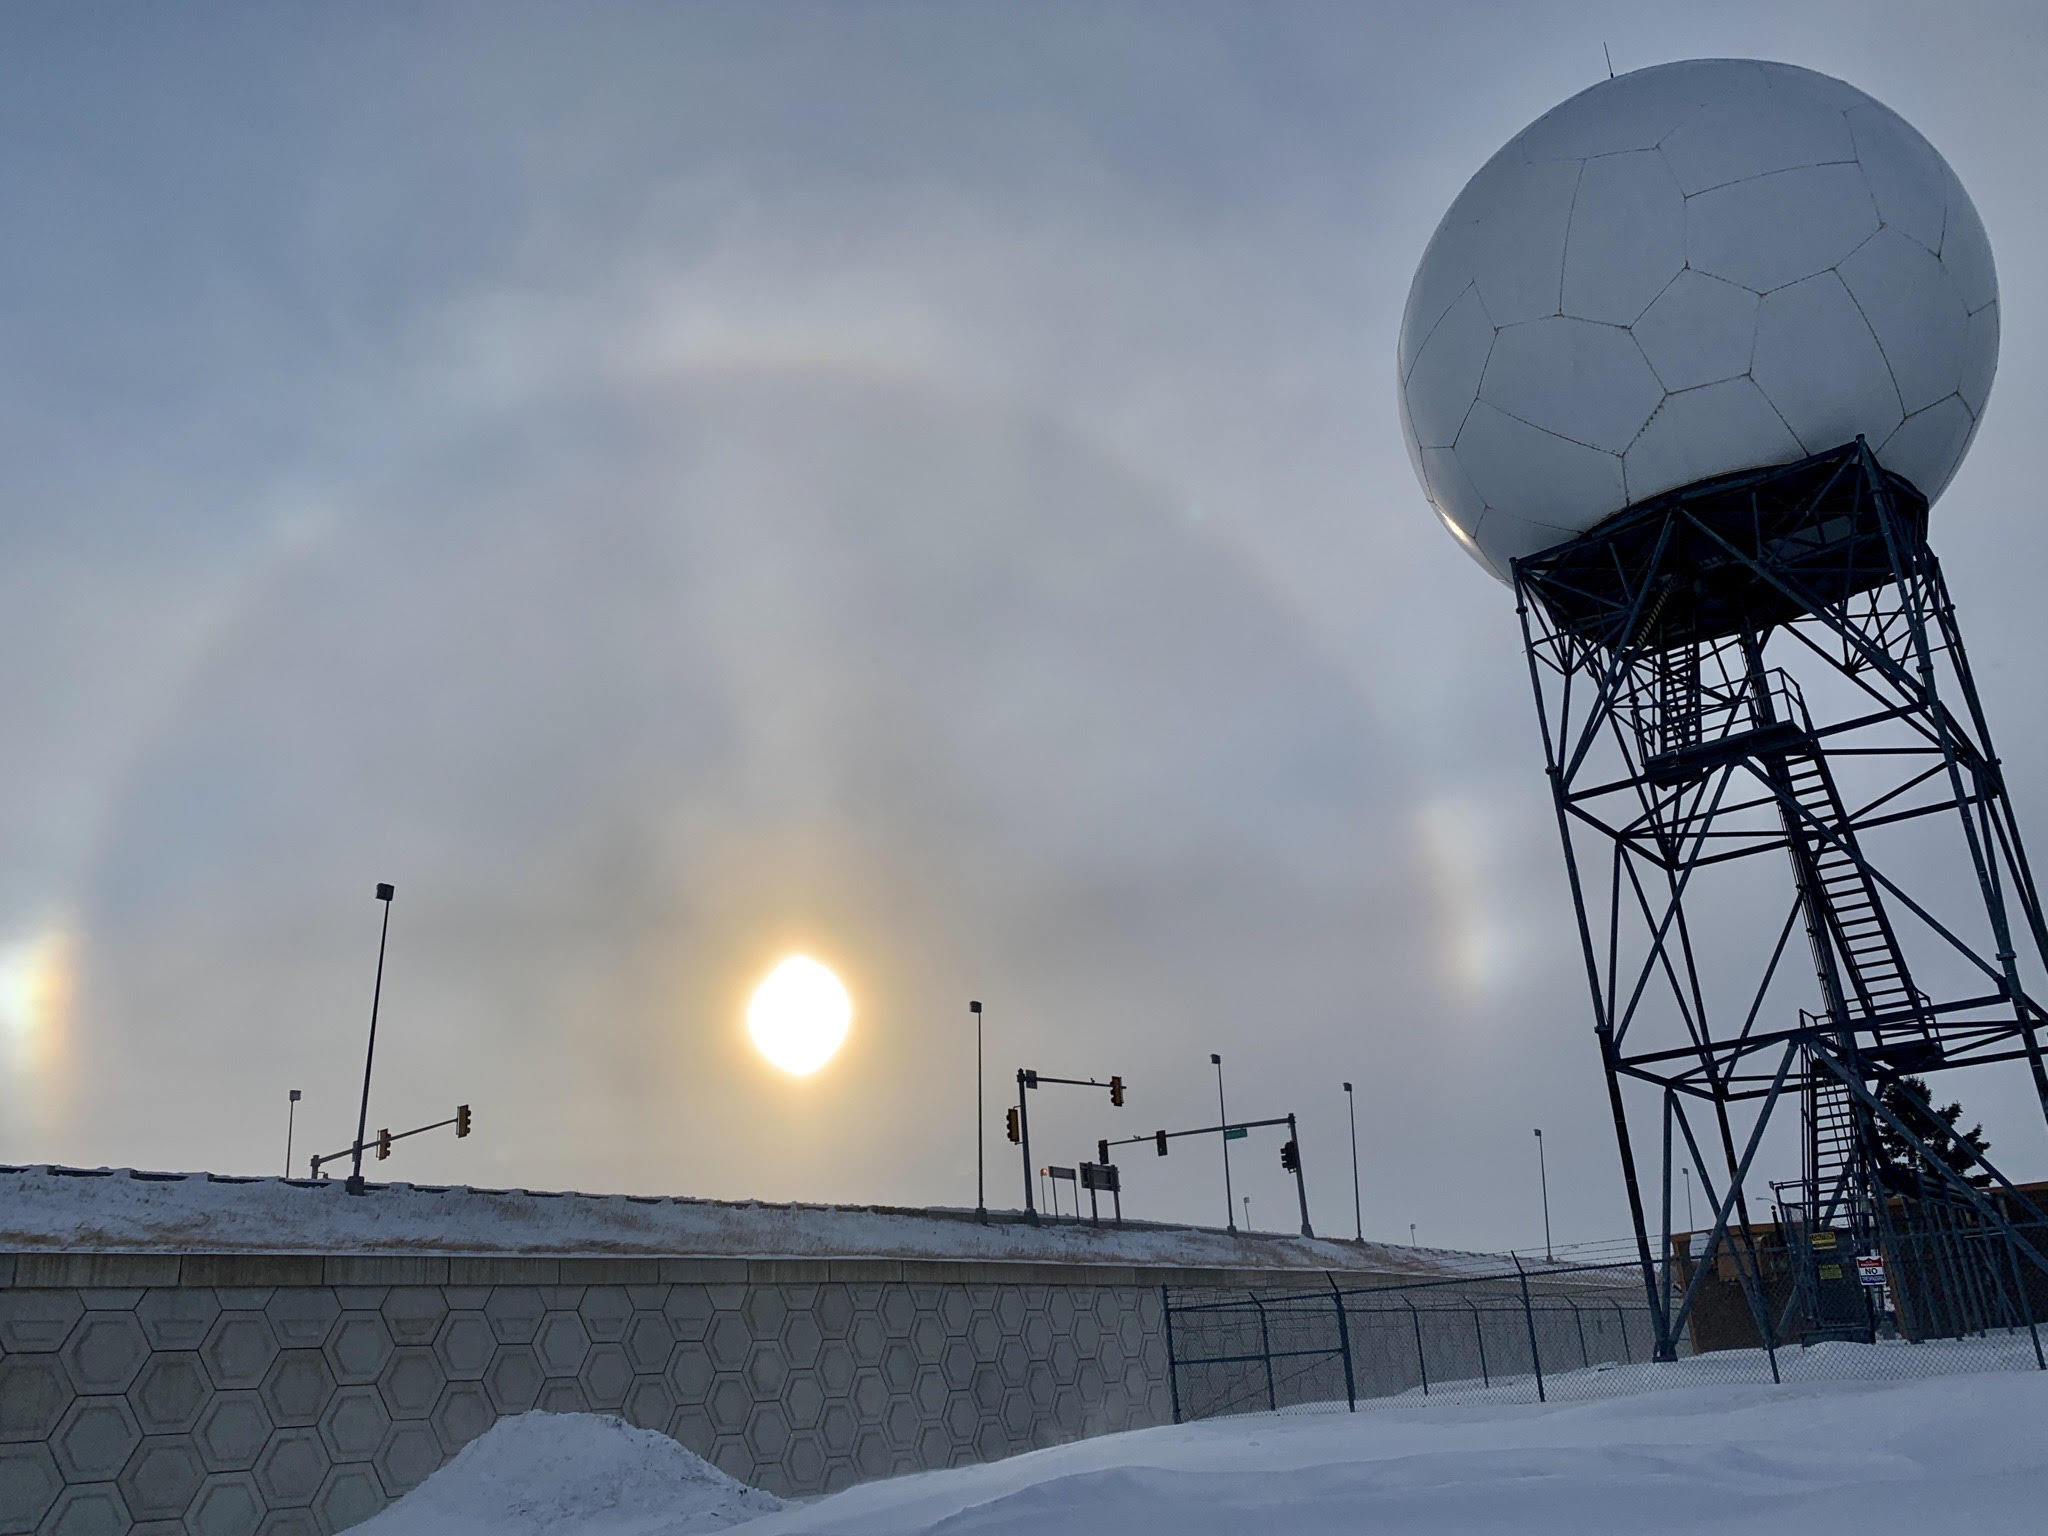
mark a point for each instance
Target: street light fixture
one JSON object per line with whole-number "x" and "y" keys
{"x": 1357, "y": 1209}
{"x": 355, "y": 1179}
{"x": 1223, "y": 1118}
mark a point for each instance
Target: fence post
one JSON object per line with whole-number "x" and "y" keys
{"x": 1529, "y": 1317}
{"x": 1579, "y": 1319}
{"x": 1266, "y": 1349}
{"x": 1421, "y": 1360}
{"x": 1172, "y": 1374}
{"x": 1627, "y": 1355}
{"x": 1343, "y": 1343}
{"x": 2025, "y": 1302}
{"x": 1479, "y": 1333}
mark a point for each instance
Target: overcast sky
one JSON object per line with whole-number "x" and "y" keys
{"x": 917, "y": 484}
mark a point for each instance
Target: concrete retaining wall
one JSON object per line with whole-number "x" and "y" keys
{"x": 221, "y": 1394}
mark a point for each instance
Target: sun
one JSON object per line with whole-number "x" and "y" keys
{"x": 799, "y": 1015}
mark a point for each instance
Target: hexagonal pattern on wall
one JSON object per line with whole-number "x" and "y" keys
{"x": 353, "y": 1424}
{"x": 35, "y": 1322}
{"x": 307, "y": 1408}
{"x": 95, "y": 1438}
{"x": 105, "y": 1352}
{"x": 87, "y": 1509}
{"x": 33, "y": 1395}
{"x": 29, "y": 1485}
{"x": 297, "y": 1387}
{"x": 291, "y": 1468}
{"x": 302, "y": 1316}
{"x": 227, "y": 1504}
{"x": 168, "y": 1392}
{"x": 238, "y": 1349}
{"x": 161, "y": 1477}
{"x": 231, "y": 1431}
{"x": 359, "y": 1347}
{"x": 178, "y": 1317}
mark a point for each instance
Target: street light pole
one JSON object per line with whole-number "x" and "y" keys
{"x": 1223, "y": 1119}
{"x": 980, "y": 1128}
{"x": 291, "y": 1117}
{"x": 1543, "y": 1172}
{"x": 1357, "y": 1209}
{"x": 1247, "y": 1213}
{"x": 355, "y": 1178}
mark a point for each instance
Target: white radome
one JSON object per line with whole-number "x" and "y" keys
{"x": 1685, "y": 272}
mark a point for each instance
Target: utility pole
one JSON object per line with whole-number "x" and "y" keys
{"x": 1223, "y": 1117}
{"x": 980, "y": 1129}
{"x": 1543, "y": 1172}
{"x": 1357, "y": 1208}
{"x": 355, "y": 1179}
{"x": 291, "y": 1118}
{"x": 1025, "y": 1080}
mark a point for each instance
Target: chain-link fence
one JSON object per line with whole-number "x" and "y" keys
{"x": 1534, "y": 1333}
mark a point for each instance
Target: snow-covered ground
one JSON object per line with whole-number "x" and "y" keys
{"x": 1961, "y": 1453}
{"x": 125, "y": 1210}
{"x": 581, "y": 1473}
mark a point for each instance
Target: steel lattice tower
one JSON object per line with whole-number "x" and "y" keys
{"x": 1759, "y": 673}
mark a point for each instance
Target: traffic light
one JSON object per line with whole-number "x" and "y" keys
{"x": 462, "y": 1119}
{"x": 1159, "y": 1139}
{"x": 1116, "y": 1095}
{"x": 1290, "y": 1157}
{"x": 384, "y": 1142}
{"x": 1102, "y": 1152}
{"x": 1015, "y": 1135}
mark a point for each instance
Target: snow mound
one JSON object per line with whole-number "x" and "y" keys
{"x": 590, "y": 1473}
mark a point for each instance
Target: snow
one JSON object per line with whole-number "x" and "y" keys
{"x": 1958, "y": 1452}
{"x": 122, "y": 1210}
{"x": 590, "y": 1473}
{"x": 1961, "y": 1453}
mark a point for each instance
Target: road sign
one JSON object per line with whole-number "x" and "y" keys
{"x": 1102, "y": 1176}
{"x": 1235, "y": 1133}
{"x": 1870, "y": 1269}
{"x": 1062, "y": 1173}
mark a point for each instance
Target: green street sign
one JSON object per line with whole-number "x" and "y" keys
{"x": 1235, "y": 1133}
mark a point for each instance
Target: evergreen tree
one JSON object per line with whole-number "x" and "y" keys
{"x": 1907, "y": 1098}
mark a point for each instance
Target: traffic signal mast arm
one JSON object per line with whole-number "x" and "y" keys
{"x": 383, "y": 1139}
{"x": 1202, "y": 1130}
{"x": 1020, "y": 1117}
{"x": 1290, "y": 1154}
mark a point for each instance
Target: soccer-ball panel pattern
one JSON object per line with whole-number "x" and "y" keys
{"x": 1700, "y": 330}
{"x": 1758, "y": 134}
{"x": 1684, "y": 272}
{"x": 1777, "y": 228}
{"x": 1448, "y": 370}
{"x": 1821, "y": 367}
{"x": 1915, "y": 313}
{"x": 1693, "y": 427}
{"x": 1587, "y": 383}
{"x": 1627, "y": 237}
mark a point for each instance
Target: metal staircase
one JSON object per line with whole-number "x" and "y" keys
{"x": 1877, "y": 988}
